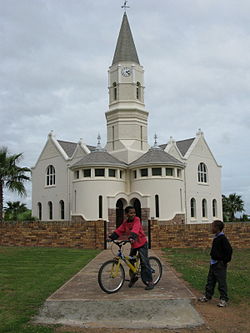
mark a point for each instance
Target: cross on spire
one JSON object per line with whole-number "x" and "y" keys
{"x": 125, "y": 5}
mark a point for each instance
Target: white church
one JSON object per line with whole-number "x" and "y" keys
{"x": 178, "y": 182}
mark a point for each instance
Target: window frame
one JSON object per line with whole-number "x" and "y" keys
{"x": 50, "y": 175}
{"x": 202, "y": 173}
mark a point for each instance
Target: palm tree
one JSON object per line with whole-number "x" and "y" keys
{"x": 231, "y": 205}
{"x": 12, "y": 176}
{"x": 14, "y": 209}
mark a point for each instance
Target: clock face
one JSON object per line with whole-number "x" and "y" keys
{"x": 126, "y": 71}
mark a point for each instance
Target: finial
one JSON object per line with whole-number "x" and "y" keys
{"x": 51, "y": 133}
{"x": 98, "y": 147}
{"x": 199, "y": 133}
{"x": 156, "y": 143}
{"x": 125, "y": 5}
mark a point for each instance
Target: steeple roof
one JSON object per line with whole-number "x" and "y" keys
{"x": 125, "y": 47}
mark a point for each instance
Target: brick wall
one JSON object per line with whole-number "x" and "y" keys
{"x": 197, "y": 235}
{"x": 84, "y": 235}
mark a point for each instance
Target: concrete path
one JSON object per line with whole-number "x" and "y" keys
{"x": 81, "y": 302}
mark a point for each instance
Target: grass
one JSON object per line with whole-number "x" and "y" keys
{"x": 193, "y": 264}
{"x": 28, "y": 275}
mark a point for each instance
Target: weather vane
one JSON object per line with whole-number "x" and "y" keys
{"x": 125, "y": 6}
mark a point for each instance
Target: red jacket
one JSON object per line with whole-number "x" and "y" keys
{"x": 135, "y": 227}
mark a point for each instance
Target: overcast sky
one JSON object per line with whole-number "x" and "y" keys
{"x": 54, "y": 58}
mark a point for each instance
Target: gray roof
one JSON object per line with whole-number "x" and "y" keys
{"x": 182, "y": 145}
{"x": 99, "y": 158}
{"x": 70, "y": 147}
{"x": 125, "y": 47}
{"x": 156, "y": 156}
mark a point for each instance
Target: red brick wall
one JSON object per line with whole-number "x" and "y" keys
{"x": 197, "y": 235}
{"x": 79, "y": 234}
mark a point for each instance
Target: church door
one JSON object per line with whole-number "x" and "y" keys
{"x": 119, "y": 213}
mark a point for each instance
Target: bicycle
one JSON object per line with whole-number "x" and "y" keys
{"x": 111, "y": 275}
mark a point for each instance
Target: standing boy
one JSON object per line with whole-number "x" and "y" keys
{"x": 133, "y": 228}
{"x": 221, "y": 253}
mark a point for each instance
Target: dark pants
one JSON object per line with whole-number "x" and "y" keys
{"x": 146, "y": 273}
{"x": 217, "y": 273}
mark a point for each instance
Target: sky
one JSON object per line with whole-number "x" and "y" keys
{"x": 54, "y": 58}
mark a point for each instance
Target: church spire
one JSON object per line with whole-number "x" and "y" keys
{"x": 125, "y": 47}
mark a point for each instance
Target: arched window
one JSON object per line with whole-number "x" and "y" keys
{"x": 202, "y": 173}
{"x": 138, "y": 90}
{"x": 115, "y": 91}
{"x": 62, "y": 213}
{"x": 39, "y": 205}
{"x": 204, "y": 208}
{"x": 214, "y": 205}
{"x": 157, "y": 211}
{"x": 100, "y": 206}
{"x": 51, "y": 176}
{"x": 193, "y": 207}
{"x": 50, "y": 210}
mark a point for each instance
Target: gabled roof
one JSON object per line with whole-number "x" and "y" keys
{"x": 156, "y": 156}
{"x": 125, "y": 47}
{"x": 99, "y": 158}
{"x": 70, "y": 147}
{"x": 183, "y": 145}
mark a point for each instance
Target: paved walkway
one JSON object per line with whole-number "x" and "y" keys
{"x": 81, "y": 302}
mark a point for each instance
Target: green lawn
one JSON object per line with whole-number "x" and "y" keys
{"x": 28, "y": 275}
{"x": 193, "y": 264}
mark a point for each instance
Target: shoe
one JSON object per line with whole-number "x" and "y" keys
{"x": 150, "y": 286}
{"x": 222, "y": 303}
{"x": 203, "y": 299}
{"x": 132, "y": 281}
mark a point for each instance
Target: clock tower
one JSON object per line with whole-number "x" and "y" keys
{"x": 126, "y": 117}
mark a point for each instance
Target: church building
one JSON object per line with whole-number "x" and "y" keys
{"x": 177, "y": 182}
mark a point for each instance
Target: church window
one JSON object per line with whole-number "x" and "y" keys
{"x": 138, "y": 90}
{"x": 204, "y": 208}
{"x": 135, "y": 173}
{"x": 50, "y": 210}
{"x": 156, "y": 171}
{"x": 157, "y": 211}
{"x": 121, "y": 174}
{"x": 51, "y": 175}
{"x": 202, "y": 173}
{"x": 193, "y": 207}
{"x": 214, "y": 205}
{"x": 113, "y": 137}
{"x": 39, "y": 205}
{"x": 77, "y": 174}
{"x": 144, "y": 172}
{"x": 61, "y": 203}
{"x": 99, "y": 172}
{"x": 100, "y": 206}
{"x": 169, "y": 172}
{"x": 115, "y": 91}
{"x": 112, "y": 173}
{"x": 178, "y": 173}
{"x": 86, "y": 173}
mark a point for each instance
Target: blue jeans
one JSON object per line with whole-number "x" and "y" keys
{"x": 146, "y": 273}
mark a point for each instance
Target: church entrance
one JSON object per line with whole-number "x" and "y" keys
{"x": 119, "y": 213}
{"x": 137, "y": 205}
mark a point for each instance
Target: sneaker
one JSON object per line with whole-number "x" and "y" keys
{"x": 132, "y": 281}
{"x": 150, "y": 286}
{"x": 222, "y": 303}
{"x": 203, "y": 299}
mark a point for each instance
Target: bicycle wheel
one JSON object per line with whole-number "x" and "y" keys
{"x": 156, "y": 268}
{"x": 111, "y": 276}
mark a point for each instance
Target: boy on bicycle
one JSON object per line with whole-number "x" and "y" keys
{"x": 133, "y": 228}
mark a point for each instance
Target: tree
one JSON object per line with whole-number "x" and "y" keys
{"x": 14, "y": 209}
{"x": 12, "y": 176}
{"x": 231, "y": 205}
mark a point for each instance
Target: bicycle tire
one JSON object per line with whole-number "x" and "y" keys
{"x": 108, "y": 283}
{"x": 156, "y": 267}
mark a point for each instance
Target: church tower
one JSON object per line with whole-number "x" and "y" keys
{"x": 126, "y": 117}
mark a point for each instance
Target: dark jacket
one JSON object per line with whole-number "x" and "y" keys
{"x": 221, "y": 249}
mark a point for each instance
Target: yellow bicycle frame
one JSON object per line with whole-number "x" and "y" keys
{"x": 126, "y": 259}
